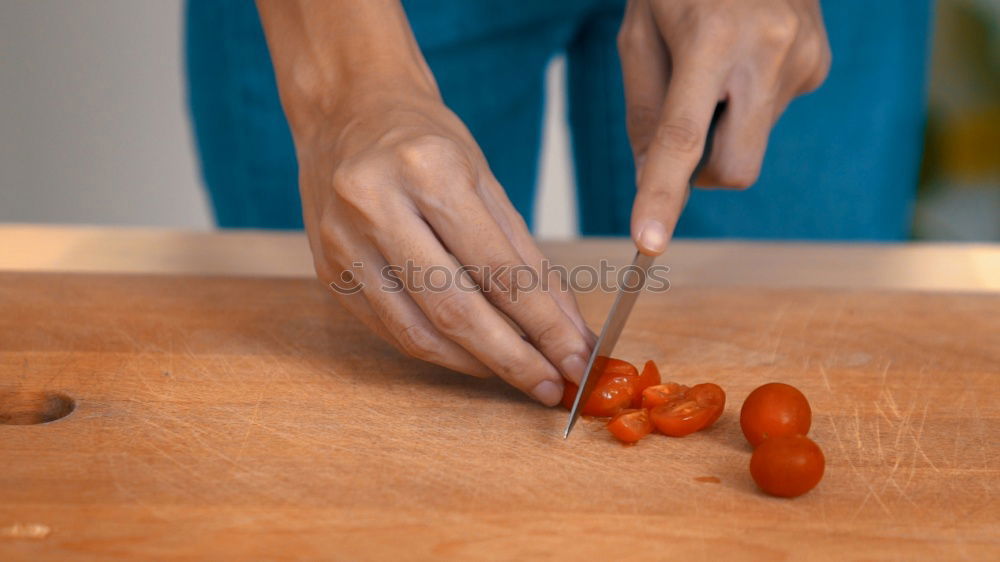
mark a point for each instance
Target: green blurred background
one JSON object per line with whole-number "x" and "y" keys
{"x": 959, "y": 197}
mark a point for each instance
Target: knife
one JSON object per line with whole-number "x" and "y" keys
{"x": 633, "y": 283}
{"x": 627, "y": 295}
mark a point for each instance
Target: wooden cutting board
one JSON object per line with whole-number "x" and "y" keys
{"x": 224, "y": 417}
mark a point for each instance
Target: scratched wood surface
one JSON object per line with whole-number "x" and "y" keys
{"x": 252, "y": 418}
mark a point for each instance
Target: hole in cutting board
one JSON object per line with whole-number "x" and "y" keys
{"x": 30, "y": 408}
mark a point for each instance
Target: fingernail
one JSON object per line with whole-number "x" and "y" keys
{"x": 572, "y": 368}
{"x": 547, "y": 392}
{"x": 653, "y": 237}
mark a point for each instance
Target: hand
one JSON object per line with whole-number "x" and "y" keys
{"x": 680, "y": 58}
{"x": 392, "y": 176}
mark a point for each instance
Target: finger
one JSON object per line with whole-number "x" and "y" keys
{"x": 675, "y": 150}
{"x": 388, "y": 310}
{"x": 454, "y": 208}
{"x": 740, "y": 142}
{"x": 554, "y": 276}
{"x": 345, "y": 288}
{"x": 645, "y": 74}
{"x": 443, "y": 292}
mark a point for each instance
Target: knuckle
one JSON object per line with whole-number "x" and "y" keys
{"x": 438, "y": 167}
{"x": 450, "y": 314}
{"x": 630, "y": 38}
{"x": 738, "y": 177}
{"x": 346, "y": 181}
{"x": 680, "y": 134}
{"x": 499, "y": 280}
{"x": 552, "y": 335}
{"x": 514, "y": 367}
{"x": 418, "y": 341}
{"x": 822, "y": 70}
{"x": 356, "y": 188}
{"x": 423, "y": 154}
{"x": 780, "y": 29}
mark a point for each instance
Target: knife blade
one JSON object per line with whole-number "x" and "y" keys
{"x": 613, "y": 326}
{"x": 626, "y": 297}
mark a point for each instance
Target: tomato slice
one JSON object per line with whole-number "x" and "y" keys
{"x": 787, "y": 465}
{"x": 709, "y": 395}
{"x": 650, "y": 376}
{"x": 679, "y": 417}
{"x": 689, "y": 411}
{"x": 658, "y": 394}
{"x": 629, "y": 426}
{"x": 615, "y": 389}
{"x": 615, "y": 367}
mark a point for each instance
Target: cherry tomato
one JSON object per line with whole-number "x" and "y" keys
{"x": 658, "y": 394}
{"x": 772, "y": 410}
{"x": 614, "y": 391}
{"x": 629, "y": 426}
{"x": 689, "y": 411}
{"x": 650, "y": 377}
{"x": 615, "y": 367}
{"x": 709, "y": 395}
{"x": 787, "y": 465}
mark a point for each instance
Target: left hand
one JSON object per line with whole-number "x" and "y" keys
{"x": 680, "y": 58}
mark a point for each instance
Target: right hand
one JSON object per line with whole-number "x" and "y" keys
{"x": 397, "y": 178}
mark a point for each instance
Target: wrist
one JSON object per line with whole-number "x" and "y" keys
{"x": 312, "y": 100}
{"x": 330, "y": 56}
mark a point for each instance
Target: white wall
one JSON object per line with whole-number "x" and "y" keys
{"x": 93, "y": 125}
{"x": 556, "y": 216}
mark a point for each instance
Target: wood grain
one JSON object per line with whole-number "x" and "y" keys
{"x": 252, "y": 418}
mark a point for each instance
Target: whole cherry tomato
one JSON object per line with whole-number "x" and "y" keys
{"x": 787, "y": 465}
{"x": 772, "y": 410}
{"x": 629, "y": 426}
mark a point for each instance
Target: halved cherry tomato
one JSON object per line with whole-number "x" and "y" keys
{"x": 615, "y": 367}
{"x": 709, "y": 395}
{"x": 691, "y": 411}
{"x": 615, "y": 389}
{"x": 787, "y": 465}
{"x": 772, "y": 410}
{"x": 650, "y": 377}
{"x": 629, "y": 426}
{"x": 658, "y": 394}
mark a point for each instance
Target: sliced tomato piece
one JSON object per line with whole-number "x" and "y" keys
{"x": 615, "y": 367}
{"x": 689, "y": 411}
{"x": 615, "y": 389}
{"x": 658, "y": 394}
{"x": 629, "y": 426}
{"x": 650, "y": 376}
{"x": 569, "y": 394}
{"x": 709, "y": 395}
{"x": 680, "y": 417}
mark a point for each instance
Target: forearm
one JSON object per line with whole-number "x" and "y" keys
{"x": 326, "y": 52}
